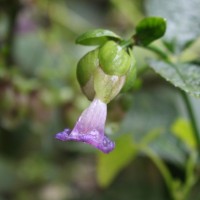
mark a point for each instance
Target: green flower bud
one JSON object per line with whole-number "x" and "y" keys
{"x": 103, "y": 72}
{"x": 85, "y": 71}
{"x": 106, "y": 86}
{"x": 113, "y": 59}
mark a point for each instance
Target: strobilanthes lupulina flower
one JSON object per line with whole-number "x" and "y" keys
{"x": 90, "y": 128}
{"x": 101, "y": 73}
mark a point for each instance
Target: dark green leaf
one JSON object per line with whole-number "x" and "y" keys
{"x": 97, "y": 37}
{"x": 186, "y": 76}
{"x": 149, "y": 29}
{"x": 183, "y": 20}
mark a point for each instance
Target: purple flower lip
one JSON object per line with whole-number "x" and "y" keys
{"x": 104, "y": 144}
{"x": 90, "y": 128}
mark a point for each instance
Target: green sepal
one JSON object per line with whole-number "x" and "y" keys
{"x": 85, "y": 71}
{"x": 86, "y": 66}
{"x": 113, "y": 59}
{"x": 131, "y": 75}
{"x": 106, "y": 86}
{"x": 97, "y": 37}
{"x": 148, "y": 30}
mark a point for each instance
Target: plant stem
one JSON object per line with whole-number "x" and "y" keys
{"x": 192, "y": 119}
{"x": 126, "y": 43}
{"x": 163, "y": 170}
{"x": 191, "y": 178}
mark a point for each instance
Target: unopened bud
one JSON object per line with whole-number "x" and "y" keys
{"x": 113, "y": 59}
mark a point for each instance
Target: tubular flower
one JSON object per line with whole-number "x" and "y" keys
{"x": 90, "y": 128}
{"x": 101, "y": 73}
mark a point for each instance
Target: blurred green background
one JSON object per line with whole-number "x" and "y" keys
{"x": 40, "y": 96}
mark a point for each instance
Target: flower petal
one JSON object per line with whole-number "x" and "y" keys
{"x": 90, "y": 128}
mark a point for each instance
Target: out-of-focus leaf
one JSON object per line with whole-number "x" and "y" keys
{"x": 183, "y": 130}
{"x": 168, "y": 148}
{"x": 25, "y": 85}
{"x": 184, "y": 75}
{"x": 155, "y": 110}
{"x": 7, "y": 176}
{"x": 149, "y": 29}
{"x": 36, "y": 169}
{"x": 97, "y": 37}
{"x": 150, "y": 110}
{"x": 183, "y": 20}
{"x": 62, "y": 15}
{"x": 110, "y": 165}
{"x": 131, "y": 9}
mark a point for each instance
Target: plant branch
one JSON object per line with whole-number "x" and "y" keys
{"x": 192, "y": 119}
{"x": 163, "y": 170}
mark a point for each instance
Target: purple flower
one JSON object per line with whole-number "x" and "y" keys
{"x": 90, "y": 128}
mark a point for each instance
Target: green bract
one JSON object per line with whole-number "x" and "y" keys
{"x": 85, "y": 71}
{"x": 113, "y": 59}
{"x": 131, "y": 74}
{"x": 97, "y": 37}
{"x": 149, "y": 29}
{"x": 102, "y": 72}
{"x": 107, "y": 86}
{"x": 86, "y": 66}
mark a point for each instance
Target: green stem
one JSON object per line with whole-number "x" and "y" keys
{"x": 191, "y": 179}
{"x": 126, "y": 43}
{"x": 192, "y": 119}
{"x": 163, "y": 170}
{"x": 157, "y": 51}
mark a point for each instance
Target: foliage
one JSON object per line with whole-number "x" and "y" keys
{"x": 154, "y": 123}
{"x": 110, "y": 165}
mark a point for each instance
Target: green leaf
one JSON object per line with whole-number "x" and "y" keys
{"x": 148, "y": 30}
{"x": 183, "y": 20}
{"x": 97, "y": 37}
{"x": 183, "y": 130}
{"x": 186, "y": 76}
{"x": 154, "y": 110}
{"x": 148, "y": 113}
{"x": 110, "y": 165}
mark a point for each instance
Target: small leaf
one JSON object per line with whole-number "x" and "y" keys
{"x": 186, "y": 76}
{"x": 110, "y": 165}
{"x": 97, "y": 37}
{"x": 149, "y": 29}
{"x": 183, "y": 130}
{"x": 183, "y": 21}
{"x": 84, "y": 71}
